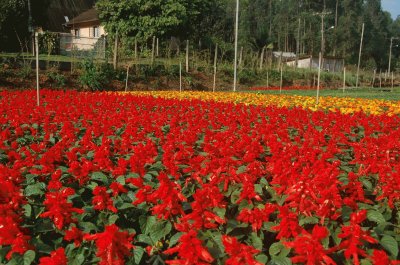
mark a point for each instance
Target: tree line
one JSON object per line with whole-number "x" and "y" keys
{"x": 280, "y": 25}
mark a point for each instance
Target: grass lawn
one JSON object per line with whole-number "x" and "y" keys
{"x": 370, "y": 93}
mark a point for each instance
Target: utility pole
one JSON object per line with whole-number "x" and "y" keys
{"x": 390, "y": 52}
{"x": 30, "y": 27}
{"x": 359, "y": 55}
{"x": 37, "y": 68}
{"x": 298, "y": 43}
{"x": 236, "y": 45}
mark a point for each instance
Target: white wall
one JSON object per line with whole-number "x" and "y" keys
{"x": 86, "y": 41}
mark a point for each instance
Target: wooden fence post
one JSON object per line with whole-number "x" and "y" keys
{"x": 115, "y": 60}
{"x": 187, "y": 56}
{"x": 153, "y": 49}
{"x": 215, "y": 66}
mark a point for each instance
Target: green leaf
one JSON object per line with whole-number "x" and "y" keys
{"x": 35, "y": 189}
{"x": 99, "y": 176}
{"x": 309, "y": 220}
{"x": 144, "y": 239}
{"x": 159, "y": 230}
{"x": 256, "y": 242}
{"x": 262, "y": 258}
{"x": 280, "y": 261}
{"x": 376, "y": 217}
{"x": 77, "y": 260}
{"x": 90, "y": 154}
{"x": 367, "y": 184}
{"x": 27, "y": 210}
{"x": 121, "y": 180}
{"x": 3, "y": 253}
{"x": 258, "y": 188}
{"x": 268, "y": 226}
{"x": 365, "y": 262}
{"x": 174, "y": 239}
{"x": 391, "y": 245}
{"x": 29, "y": 257}
{"x": 112, "y": 219}
{"x": 275, "y": 249}
{"x": 235, "y": 196}
{"x": 88, "y": 227}
{"x": 146, "y": 223}
{"x": 138, "y": 254}
{"x": 220, "y": 212}
{"x": 16, "y": 260}
{"x": 126, "y": 206}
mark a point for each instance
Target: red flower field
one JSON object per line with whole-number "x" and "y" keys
{"x": 123, "y": 179}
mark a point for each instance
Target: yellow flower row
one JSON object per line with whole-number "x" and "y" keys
{"x": 343, "y": 105}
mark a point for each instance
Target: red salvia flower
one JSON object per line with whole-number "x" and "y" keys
{"x": 190, "y": 251}
{"x": 59, "y": 209}
{"x": 74, "y": 234}
{"x": 117, "y": 188}
{"x": 256, "y": 217}
{"x": 379, "y": 257}
{"x": 239, "y": 253}
{"x": 113, "y": 246}
{"x": 354, "y": 237}
{"x": 57, "y": 257}
{"x": 309, "y": 249}
{"x": 102, "y": 200}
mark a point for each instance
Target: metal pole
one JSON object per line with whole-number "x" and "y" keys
{"x": 281, "y": 84}
{"x": 236, "y": 46}
{"x": 392, "y": 82}
{"x": 30, "y": 27}
{"x": 344, "y": 79}
{"x": 322, "y": 34}
{"x": 180, "y": 76}
{"x": 319, "y": 76}
{"x": 359, "y": 55}
{"x": 298, "y": 43}
{"x": 390, "y": 53}
{"x": 127, "y": 78}
{"x": 37, "y": 68}
{"x": 215, "y": 66}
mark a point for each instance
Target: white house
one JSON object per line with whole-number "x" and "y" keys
{"x": 86, "y": 30}
{"x": 330, "y": 64}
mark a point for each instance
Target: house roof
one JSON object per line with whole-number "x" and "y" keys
{"x": 50, "y": 16}
{"x": 308, "y": 57}
{"x": 90, "y": 15}
{"x": 278, "y": 54}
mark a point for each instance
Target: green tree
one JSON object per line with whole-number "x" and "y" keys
{"x": 12, "y": 22}
{"x": 143, "y": 19}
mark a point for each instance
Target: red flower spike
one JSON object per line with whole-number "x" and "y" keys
{"x": 256, "y": 217}
{"x": 74, "y": 234}
{"x": 309, "y": 249}
{"x": 379, "y": 257}
{"x": 190, "y": 251}
{"x": 59, "y": 209}
{"x": 113, "y": 246}
{"x": 57, "y": 257}
{"x": 102, "y": 200}
{"x": 354, "y": 237}
{"x": 239, "y": 253}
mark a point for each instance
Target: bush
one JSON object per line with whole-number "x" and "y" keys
{"x": 25, "y": 71}
{"x": 247, "y": 76}
{"x": 58, "y": 79}
{"x": 92, "y": 77}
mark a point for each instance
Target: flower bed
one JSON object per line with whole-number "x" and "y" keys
{"x": 115, "y": 179}
{"x": 288, "y": 88}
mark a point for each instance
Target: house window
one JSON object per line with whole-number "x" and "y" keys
{"x": 96, "y": 32}
{"x": 77, "y": 33}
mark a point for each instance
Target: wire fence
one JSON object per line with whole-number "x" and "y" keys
{"x": 261, "y": 69}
